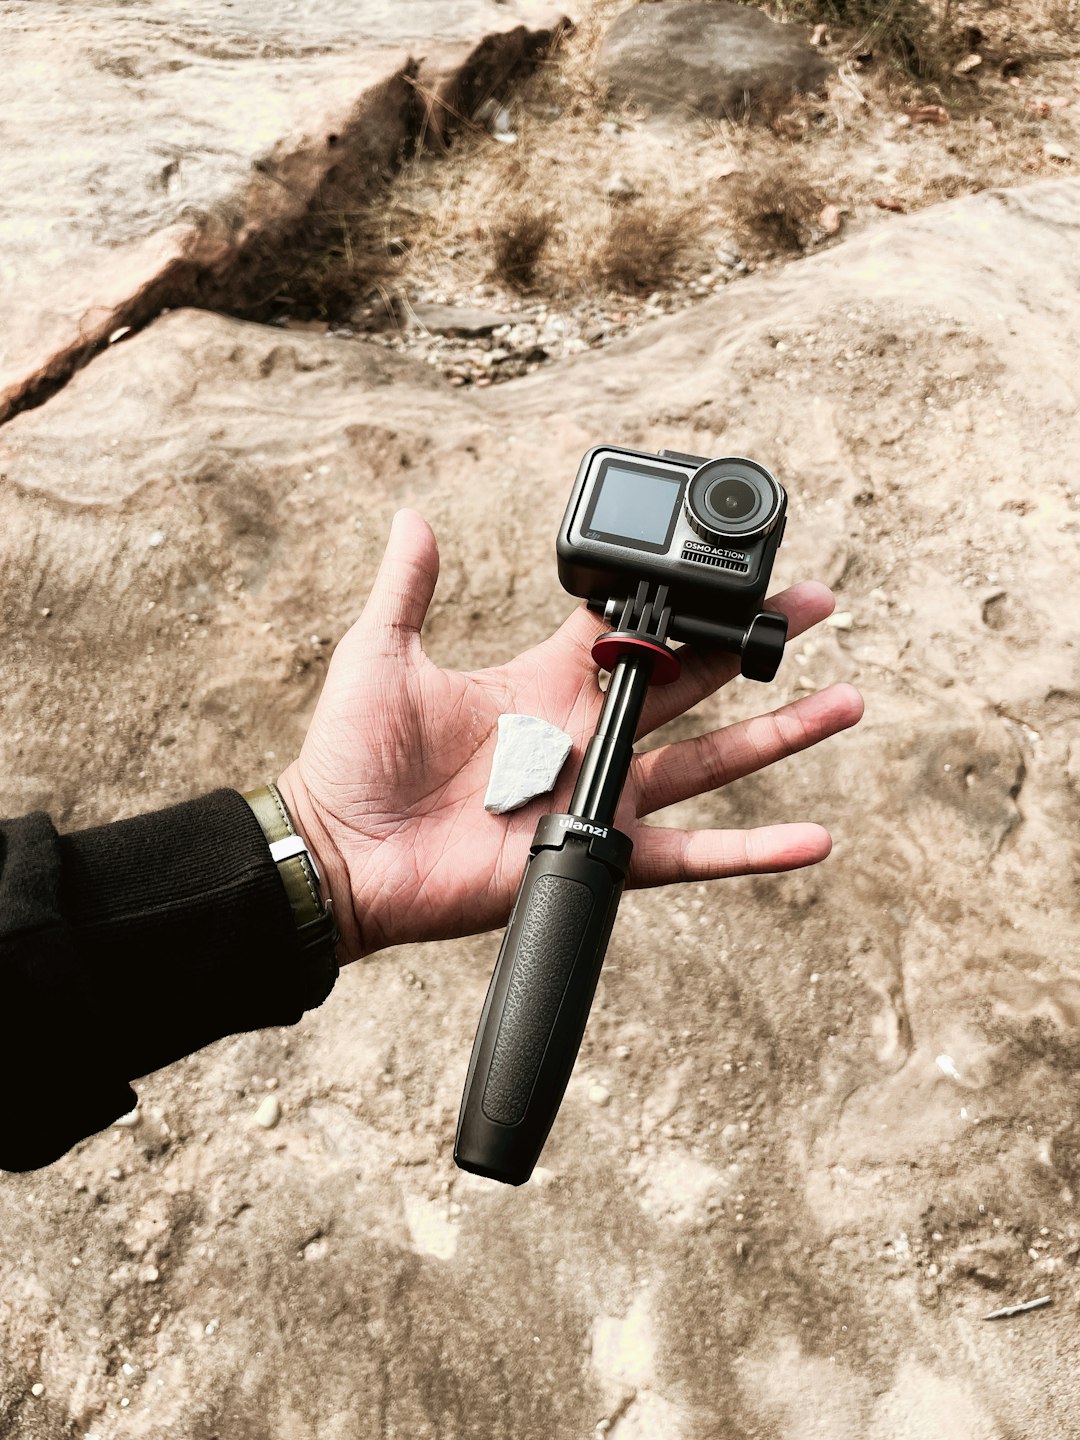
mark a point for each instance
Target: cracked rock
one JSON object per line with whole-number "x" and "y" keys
{"x": 528, "y": 758}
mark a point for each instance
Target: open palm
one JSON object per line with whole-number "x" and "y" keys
{"x": 389, "y": 785}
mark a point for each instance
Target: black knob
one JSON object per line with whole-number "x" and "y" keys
{"x": 763, "y": 647}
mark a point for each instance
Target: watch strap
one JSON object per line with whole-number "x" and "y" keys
{"x": 316, "y": 929}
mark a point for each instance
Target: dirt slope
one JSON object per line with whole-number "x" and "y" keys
{"x": 845, "y": 1127}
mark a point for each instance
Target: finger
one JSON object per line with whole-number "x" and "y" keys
{"x": 690, "y": 767}
{"x": 662, "y": 857}
{"x": 401, "y": 594}
{"x": 704, "y": 671}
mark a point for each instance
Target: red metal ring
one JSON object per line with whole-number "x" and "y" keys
{"x": 607, "y": 649}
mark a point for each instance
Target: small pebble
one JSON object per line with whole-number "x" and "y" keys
{"x": 269, "y": 1112}
{"x": 37, "y": 1389}
{"x": 947, "y": 1066}
{"x": 841, "y": 620}
{"x": 150, "y": 1275}
{"x": 157, "y": 537}
{"x": 805, "y": 683}
{"x": 599, "y": 1094}
{"x": 128, "y": 1121}
{"x": 622, "y": 1052}
{"x": 619, "y": 187}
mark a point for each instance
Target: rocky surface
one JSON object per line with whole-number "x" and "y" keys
{"x": 822, "y": 1123}
{"x": 707, "y": 58}
{"x": 177, "y": 135}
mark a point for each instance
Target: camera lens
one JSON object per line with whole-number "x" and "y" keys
{"x": 731, "y": 499}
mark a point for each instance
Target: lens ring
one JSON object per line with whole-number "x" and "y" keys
{"x": 732, "y": 499}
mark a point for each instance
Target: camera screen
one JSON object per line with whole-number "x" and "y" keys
{"x": 635, "y": 505}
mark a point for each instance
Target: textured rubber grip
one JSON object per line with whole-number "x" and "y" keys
{"x": 552, "y": 929}
{"x": 536, "y": 1008}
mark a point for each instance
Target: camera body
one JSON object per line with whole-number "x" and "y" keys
{"x": 708, "y": 530}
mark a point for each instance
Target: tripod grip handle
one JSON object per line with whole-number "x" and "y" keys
{"x": 539, "y": 998}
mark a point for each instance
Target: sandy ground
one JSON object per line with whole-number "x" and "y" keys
{"x": 842, "y": 1116}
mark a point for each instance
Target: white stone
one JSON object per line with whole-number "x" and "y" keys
{"x": 841, "y": 620}
{"x": 599, "y": 1094}
{"x": 269, "y": 1112}
{"x": 624, "y": 1346}
{"x": 528, "y": 758}
{"x": 429, "y": 1228}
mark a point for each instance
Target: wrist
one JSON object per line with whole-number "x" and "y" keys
{"x": 333, "y": 870}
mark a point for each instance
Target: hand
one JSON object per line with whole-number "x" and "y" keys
{"x": 389, "y": 786}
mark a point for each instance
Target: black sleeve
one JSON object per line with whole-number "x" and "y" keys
{"x": 125, "y": 947}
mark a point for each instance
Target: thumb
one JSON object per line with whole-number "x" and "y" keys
{"x": 403, "y": 588}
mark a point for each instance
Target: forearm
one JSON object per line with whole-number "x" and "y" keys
{"x": 125, "y": 947}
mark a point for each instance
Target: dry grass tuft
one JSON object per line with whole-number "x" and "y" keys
{"x": 322, "y": 267}
{"x": 517, "y": 242}
{"x": 923, "y": 39}
{"x": 774, "y": 211}
{"x": 640, "y": 246}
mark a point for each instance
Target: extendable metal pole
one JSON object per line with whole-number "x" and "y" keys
{"x": 607, "y": 759}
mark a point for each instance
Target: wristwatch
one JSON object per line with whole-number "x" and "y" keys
{"x": 316, "y": 928}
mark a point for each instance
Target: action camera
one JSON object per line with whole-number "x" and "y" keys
{"x": 706, "y": 529}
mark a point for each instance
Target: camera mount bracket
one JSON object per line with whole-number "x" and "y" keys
{"x": 759, "y": 645}
{"x": 642, "y": 630}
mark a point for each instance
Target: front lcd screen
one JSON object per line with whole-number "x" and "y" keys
{"x": 635, "y": 505}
